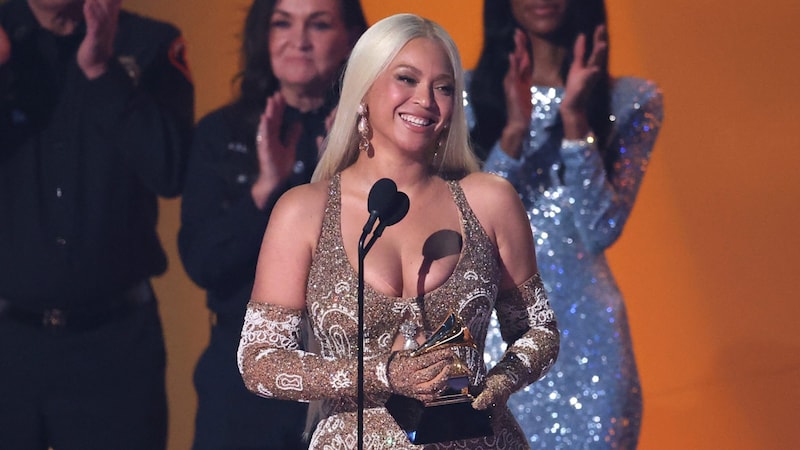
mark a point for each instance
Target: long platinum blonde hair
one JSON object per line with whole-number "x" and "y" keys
{"x": 373, "y": 52}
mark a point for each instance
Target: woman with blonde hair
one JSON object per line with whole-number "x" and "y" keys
{"x": 400, "y": 116}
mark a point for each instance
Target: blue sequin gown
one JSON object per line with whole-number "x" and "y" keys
{"x": 591, "y": 398}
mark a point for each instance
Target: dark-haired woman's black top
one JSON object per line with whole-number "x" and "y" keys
{"x": 219, "y": 240}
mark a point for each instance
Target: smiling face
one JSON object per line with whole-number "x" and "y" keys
{"x": 308, "y": 42}
{"x": 540, "y": 17}
{"x": 411, "y": 101}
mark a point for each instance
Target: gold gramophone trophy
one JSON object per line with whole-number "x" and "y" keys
{"x": 450, "y": 416}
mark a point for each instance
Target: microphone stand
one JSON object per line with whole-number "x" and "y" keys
{"x": 362, "y": 252}
{"x": 388, "y": 206}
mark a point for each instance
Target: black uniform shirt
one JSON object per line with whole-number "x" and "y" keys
{"x": 221, "y": 227}
{"x": 82, "y": 162}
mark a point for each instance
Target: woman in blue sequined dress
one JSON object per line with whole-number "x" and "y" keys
{"x": 575, "y": 142}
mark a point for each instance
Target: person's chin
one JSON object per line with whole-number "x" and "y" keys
{"x": 298, "y": 80}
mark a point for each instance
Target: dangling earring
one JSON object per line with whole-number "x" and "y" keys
{"x": 363, "y": 127}
{"x": 442, "y": 138}
{"x": 440, "y": 141}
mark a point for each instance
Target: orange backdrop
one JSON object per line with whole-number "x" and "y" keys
{"x": 706, "y": 262}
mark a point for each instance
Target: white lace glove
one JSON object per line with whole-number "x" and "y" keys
{"x": 529, "y": 325}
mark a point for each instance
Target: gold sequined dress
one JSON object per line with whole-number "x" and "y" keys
{"x": 273, "y": 366}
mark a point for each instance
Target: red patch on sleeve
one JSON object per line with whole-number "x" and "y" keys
{"x": 177, "y": 57}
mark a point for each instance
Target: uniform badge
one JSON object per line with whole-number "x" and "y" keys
{"x": 128, "y": 62}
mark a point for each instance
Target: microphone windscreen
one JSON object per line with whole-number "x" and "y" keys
{"x": 381, "y": 196}
{"x": 400, "y": 205}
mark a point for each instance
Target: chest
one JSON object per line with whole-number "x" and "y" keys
{"x": 412, "y": 257}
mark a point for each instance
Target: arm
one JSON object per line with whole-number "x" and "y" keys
{"x": 5, "y": 82}
{"x": 603, "y": 201}
{"x": 272, "y": 365}
{"x": 269, "y": 359}
{"x": 527, "y": 322}
{"x": 504, "y": 158}
{"x": 275, "y": 157}
{"x": 147, "y": 104}
{"x": 221, "y": 227}
{"x": 10, "y": 130}
{"x": 501, "y": 163}
{"x": 524, "y": 133}
{"x": 5, "y": 47}
{"x": 497, "y": 162}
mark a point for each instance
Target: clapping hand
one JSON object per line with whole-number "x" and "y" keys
{"x": 275, "y": 157}
{"x": 581, "y": 78}
{"x": 101, "y": 27}
{"x": 328, "y": 124}
{"x": 516, "y": 87}
{"x": 5, "y": 47}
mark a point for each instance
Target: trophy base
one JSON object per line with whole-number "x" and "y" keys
{"x": 447, "y": 420}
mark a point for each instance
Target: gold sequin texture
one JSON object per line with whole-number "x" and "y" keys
{"x": 273, "y": 366}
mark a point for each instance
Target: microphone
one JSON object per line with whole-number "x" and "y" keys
{"x": 379, "y": 201}
{"x": 385, "y": 204}
{"x": 397, "y": 211}
{"x": 388, "y": 206}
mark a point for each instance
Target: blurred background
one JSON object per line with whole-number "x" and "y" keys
{"x": 708, "y": 260}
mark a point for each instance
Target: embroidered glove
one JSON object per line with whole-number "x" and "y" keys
{"x": 498, "y": 386}
{"x": 421, "y": 377}
{"x": 528, "y": 324}
{"x": 272, "y": 365}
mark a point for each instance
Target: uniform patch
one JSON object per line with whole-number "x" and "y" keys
{"x": 177, "y": 57}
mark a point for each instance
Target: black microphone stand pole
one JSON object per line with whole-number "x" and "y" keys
{"x": 387, "y": 205}
{"x": 362, "y": 252}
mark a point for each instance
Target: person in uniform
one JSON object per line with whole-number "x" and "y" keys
{"x": 245, "y": 155}
{"x": 95, "y": 125}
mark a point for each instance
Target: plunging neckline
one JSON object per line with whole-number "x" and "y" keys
{"x": 452, "y": 185}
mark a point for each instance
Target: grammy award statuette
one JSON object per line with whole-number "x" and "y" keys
{"x": 450, "y": 416}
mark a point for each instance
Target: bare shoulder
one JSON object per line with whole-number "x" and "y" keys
{"x": 287, "y": 249}
{"x": 488, "y": 193}
{"x": 498, "y": 208}
{"x": 301, "y": 208}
